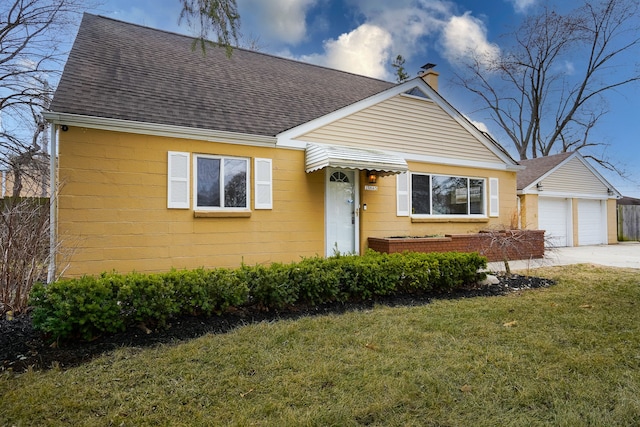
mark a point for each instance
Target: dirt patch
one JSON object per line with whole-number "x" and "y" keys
{"x": 22, "y": 348}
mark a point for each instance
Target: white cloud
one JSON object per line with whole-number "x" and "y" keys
{"x": 569, "y": 67}
{"x": 282, "y": 21}
{"x": 365, "y": 51}
{"x": 409, "y": 22}
{"x": 414, "y": 24}
{"x": 149, "y": 13}
{"x": 521, "y": 6}
{"x": 389, "y": 29}
{"x": 480, "y": 125}
{"x": 406, "y": 27}
{"x": 465, "y": 37}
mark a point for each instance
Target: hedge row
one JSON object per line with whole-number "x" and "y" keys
{"x": 90, "y": 306}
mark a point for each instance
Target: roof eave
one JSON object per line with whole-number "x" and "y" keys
{"x": 157, "y": 129}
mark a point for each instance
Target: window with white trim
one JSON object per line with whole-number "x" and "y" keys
{"x": 220, "y": 183}
{"x": 442, "y": 195}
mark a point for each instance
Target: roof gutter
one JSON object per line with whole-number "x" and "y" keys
{"x": 156, "y": 129}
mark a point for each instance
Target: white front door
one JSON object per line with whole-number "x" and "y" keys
{"x": 342, "y": 209}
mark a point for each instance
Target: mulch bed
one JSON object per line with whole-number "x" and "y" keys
{"x": 22, "y": 347}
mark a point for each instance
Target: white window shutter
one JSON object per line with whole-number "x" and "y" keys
{"x": 263, "y": 184}
{"x": 402, "y": 194}
{"x": 178, "y": 180}
{"x": 494, "y": 197}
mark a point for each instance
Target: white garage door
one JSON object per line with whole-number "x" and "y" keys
{"x": 553, "y": 217}
{"x": 591, "y": 222}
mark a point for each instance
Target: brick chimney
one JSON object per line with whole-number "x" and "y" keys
{"x": 429, "y": 75}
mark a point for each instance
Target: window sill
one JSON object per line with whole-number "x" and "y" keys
{"x": 450, "y": 220}
{"x": 221, "y": 214}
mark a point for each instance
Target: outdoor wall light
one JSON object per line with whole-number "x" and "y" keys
{"x": 372, "y": 177}
{"x": 539, "y": 186}
{"x": 609, "y": 192}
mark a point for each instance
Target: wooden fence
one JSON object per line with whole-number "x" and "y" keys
{"x": 628, "y": 222}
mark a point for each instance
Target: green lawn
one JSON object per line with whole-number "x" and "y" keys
{"x": 567, "y": 355}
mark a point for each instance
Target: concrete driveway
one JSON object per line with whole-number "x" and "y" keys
{"x": 624, "y": 254}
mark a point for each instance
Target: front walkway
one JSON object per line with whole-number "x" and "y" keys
{"x": 624, "y": 254}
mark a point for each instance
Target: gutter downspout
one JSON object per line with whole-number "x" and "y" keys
{"x": 53, "y": 204}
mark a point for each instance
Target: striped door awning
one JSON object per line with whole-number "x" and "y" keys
{"x": 320, "y": 156}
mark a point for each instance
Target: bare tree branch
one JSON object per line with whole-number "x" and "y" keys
{"x": 547, "y": 91}
{"x": 31, "y": 33}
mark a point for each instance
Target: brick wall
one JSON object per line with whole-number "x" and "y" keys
{"x": 515, "y": 244}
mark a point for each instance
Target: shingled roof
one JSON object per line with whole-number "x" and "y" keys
{"x": 536, "y": 168}
{"x": 124, "y": 71}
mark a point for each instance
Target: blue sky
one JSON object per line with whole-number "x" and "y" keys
{"x": 363, "y": 36}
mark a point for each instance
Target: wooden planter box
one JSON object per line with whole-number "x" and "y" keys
{"x": 515, "y": 244}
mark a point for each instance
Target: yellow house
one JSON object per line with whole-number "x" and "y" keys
{"x": 565, "y": 196}
{"x": 169, "y": 158}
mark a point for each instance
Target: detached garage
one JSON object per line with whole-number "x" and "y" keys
{"x": 565, "y": 196}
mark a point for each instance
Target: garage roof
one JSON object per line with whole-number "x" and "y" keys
{"x": 564, "y": 175}
{"x": 538, "y": 167}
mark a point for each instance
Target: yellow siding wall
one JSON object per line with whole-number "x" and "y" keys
{"x": 408, "y": 125}
{"x": 113, "y": 211}
{"x": 380, "y": 219}
{"x": 575, "y": 222}
{"x": 113, "y": 208}
{"x": 529, "y": 211}
{"x": 612, "y": 222}
{"x": 575, "y": 177}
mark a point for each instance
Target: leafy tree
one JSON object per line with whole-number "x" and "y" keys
{"x": 547, "y": 89}
{"x": 218, "y": 16}
{"x": 398, "y": 64}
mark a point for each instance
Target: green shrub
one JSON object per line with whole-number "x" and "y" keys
{"x": 457, "y": 269}
{"x": 225, "y": 289}
{"x": 317, "y": 280}
{"x": 368, "y": 276}
{"x": 418, "y": 273}
{"x": 269, "y": 286}
{"x": 86, "y": 307}
{"x": 89, "y": 306}
{"x": 190, "y": 290}
{"x": 206, "y": 291}
{"x": 147, "y": 298}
